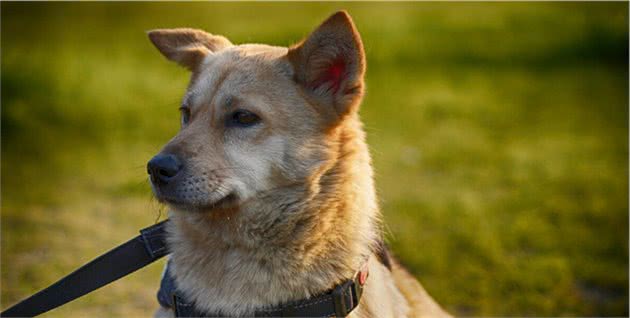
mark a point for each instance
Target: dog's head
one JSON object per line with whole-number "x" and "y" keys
{"x": 255, "y": 118}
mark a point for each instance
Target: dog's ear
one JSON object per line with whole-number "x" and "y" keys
{"x": 330, "y": 63}
{"x": 187, "y": 47}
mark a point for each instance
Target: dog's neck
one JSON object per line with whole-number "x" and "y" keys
{"x": 234, "y": 262}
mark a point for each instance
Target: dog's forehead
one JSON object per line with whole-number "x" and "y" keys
{"x": 236, "y": 70}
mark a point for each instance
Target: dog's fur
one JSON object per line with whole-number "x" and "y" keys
{"x": 283, "y": 209}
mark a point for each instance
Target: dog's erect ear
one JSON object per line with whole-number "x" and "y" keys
{"x": 330, "y": 64}
{"x": 187, "y": 47}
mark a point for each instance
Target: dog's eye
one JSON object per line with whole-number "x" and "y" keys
{"x": 185, "y": 111}
{"x": 243, "y": 118}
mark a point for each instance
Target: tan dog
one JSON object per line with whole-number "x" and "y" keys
{"x": 270, "y": 179}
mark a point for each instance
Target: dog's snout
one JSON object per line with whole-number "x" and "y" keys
{"x": 163, "y": 168}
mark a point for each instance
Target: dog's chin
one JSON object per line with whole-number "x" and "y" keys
{"x": 223, "y": 202}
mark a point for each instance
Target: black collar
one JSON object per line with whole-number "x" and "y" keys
{"x": 337, "y": 302}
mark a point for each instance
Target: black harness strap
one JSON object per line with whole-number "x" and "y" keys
{"x": 123, "y": 260}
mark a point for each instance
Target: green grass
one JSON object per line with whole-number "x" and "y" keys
{"x": 499, "y": 133}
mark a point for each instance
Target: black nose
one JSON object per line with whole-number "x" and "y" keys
{"x": 163, "y": 168}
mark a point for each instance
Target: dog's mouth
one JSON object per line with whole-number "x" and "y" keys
{"x": 213, "y": 201}
{"x": 226, "y": 201}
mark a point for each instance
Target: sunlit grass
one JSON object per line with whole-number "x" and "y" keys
{"x": 499, "y": 134}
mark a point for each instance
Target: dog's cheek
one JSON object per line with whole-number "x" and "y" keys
{"x": 255, "y": 162}
{"x": 303, "y": 162}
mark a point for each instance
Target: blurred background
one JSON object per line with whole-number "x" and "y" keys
{"x": 499, "y": 133}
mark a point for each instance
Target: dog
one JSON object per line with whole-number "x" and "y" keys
{"x": 270, "y": 182}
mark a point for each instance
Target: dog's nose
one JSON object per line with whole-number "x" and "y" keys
{"x": 163, "y": 168}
